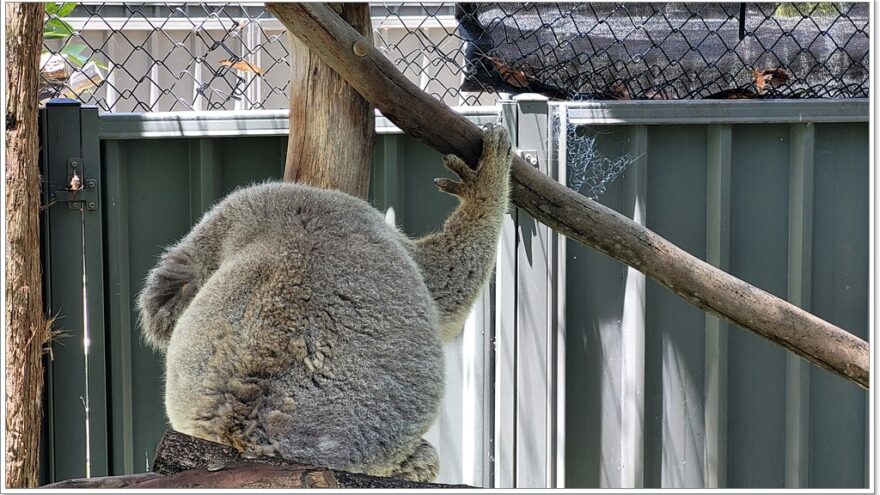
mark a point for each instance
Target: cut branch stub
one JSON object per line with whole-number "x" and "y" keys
{"x": 569, "y": 213}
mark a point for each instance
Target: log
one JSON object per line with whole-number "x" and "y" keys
{"x": 26, "y": 327}
{"x": 572, "y": 214}
{"x": 184, "y": 461}
{"x": 331, "y": 125}
{"x": 244, "y": 475}
{"x": 235, "y": 475}
{"x": 179, "y": 452}
{"x": 122, "y": 481}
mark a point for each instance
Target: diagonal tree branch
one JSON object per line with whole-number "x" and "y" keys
{"x": 569, "y": 213}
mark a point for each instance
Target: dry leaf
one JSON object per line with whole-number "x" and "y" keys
{"x": 773, "y": 76}
{"x": 619, "y": 91}
{"x": 653, "y": 94}
{"x": 242, "y": 65}
{"x": 514, "y": 77}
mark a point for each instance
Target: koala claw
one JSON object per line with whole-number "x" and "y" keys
{"x": 449, "y": 186}
{"x": 496, "y": 146}
{"x": 494, "y": 163}
{"x": 460, "y": 168}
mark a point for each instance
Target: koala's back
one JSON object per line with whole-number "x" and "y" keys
{"x": 315, "y": 339}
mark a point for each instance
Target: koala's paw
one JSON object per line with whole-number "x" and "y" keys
{"x": 167, "y": 292}
{"x": 490, "y": 179}
{"x": 421, "y": 466}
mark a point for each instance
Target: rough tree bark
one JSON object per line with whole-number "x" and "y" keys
{"x": 569, "y": 213}
{"x": 331, "y": 124}
{"x": 26, "y": 326}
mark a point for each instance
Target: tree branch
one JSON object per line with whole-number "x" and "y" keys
{"x": 569, "y": 213}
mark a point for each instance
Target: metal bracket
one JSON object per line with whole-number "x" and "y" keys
{"x": 530, "y": 156}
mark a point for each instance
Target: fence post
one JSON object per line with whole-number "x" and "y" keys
{"x": 527, "y": 358}
{"x": 73, "y": 273}
{"x": 505, "y": 335}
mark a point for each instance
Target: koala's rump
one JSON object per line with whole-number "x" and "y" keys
{"x": 320, "y": 345}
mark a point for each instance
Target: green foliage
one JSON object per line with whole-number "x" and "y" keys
{"x": 60, "y": 9}
{"x": 57, "y": 28}
{"x": 74, "y": 54}
{"x": 805, "y": 9}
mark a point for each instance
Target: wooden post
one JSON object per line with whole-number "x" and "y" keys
{"x": 331, "y": 124}
{"x": 26, "y": 326}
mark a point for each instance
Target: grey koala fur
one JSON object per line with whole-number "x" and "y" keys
{"x": 297, "y": 323}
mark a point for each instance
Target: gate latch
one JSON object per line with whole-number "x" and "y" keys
{"x": 80, "y": 192}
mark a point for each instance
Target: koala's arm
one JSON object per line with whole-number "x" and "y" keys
{"x": 457, "y": 262}
{"x": 177, "y": 277}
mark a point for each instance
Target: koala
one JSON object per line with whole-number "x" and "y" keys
{"x": 296, "y": 322}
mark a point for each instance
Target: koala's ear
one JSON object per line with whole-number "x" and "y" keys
{"x": 390, "y": 217}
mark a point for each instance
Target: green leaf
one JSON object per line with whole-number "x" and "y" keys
{"x": 76, "y": 59}
{"x": 72, "y": 49}
{"x": 65, "y": 9}
{"x": 56, "y": 28}
{"x": 60, "y": 9}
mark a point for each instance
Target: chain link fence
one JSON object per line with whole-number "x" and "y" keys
{"x": 172, "y": 57}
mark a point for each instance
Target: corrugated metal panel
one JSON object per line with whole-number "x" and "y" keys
{"x": 838, "y": 435}
{"x": 783, "y": 206}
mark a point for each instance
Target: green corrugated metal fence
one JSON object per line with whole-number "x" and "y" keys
{"x": 629, "y": 385}
{"x": 785, "y": 207}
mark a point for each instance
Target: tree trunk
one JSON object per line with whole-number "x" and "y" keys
{"x": 331, "y": 124}
{"x": 572, "y": 214}
{"x": 26, "y": 327}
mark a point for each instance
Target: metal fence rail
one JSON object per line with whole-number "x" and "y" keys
{"x": 169, "y": 57}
